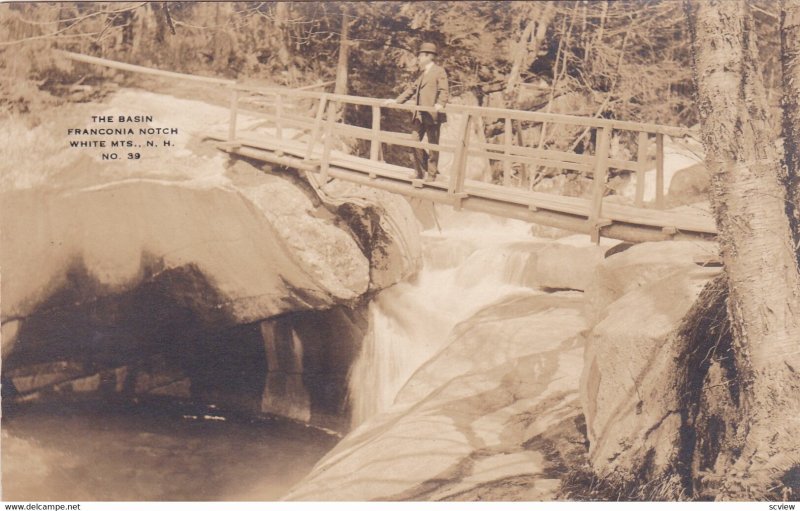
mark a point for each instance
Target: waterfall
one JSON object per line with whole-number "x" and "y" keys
{"x": 473, "y": 262}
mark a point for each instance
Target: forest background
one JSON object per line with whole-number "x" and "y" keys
{"x": 628, "y": 60}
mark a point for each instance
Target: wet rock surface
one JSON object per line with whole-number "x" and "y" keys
{"x": 481, "y": 420}
{"x": 154, "y": 276}
{"x": 632, "y": 409}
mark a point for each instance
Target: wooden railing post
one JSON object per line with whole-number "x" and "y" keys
{"x": 459, "y": 169}
{"x": 278, "y": 115}
{"x": 641, "y": 170}
{"x": 507, "y": 140}
{"x": 660, "y": 170}
{"x": 323, "y": 103}
{"x": 326, "y": 152}
{"x": 600, "y": 173}
{"x": 234, "y": 111}
{"x": 375, "y": 143}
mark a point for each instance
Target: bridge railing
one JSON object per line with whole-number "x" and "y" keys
{"x": 326, "y": 125}
{"x": 595, "y": 161}
{"x": 322, "y": 125}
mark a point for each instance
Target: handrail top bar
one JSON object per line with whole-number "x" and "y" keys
{"x": 142, "y": 69}
{"x": 353, "y": 100}
{"x": 482, "y": 110}
{"x": 316, "y": 85}
{"x": 88, "y": 59}
{"x": 360, "y": 100}
{"x": 576, "y": 119}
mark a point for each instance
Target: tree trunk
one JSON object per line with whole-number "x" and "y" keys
{"x": 599, "y": 38}
{"x": 528, "y": 44}
{"x": 342, "y": 65}
{"x": 520, "y": 50}
{"x": 284, "y": 43}
{"x": 790, "y": 63}
{"x": 748, "y": 197}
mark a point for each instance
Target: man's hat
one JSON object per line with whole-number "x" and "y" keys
{"x": 428, "y": 48}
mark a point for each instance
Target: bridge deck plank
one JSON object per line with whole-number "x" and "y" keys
{"x": 699, "y": 222}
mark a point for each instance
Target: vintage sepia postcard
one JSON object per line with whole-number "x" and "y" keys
{"x": 450, "y": 251}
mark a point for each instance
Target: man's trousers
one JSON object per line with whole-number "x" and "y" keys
{"x": 423, "y": 162}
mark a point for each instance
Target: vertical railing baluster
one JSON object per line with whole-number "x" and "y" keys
{"x": 326, "y": 152}
{"x": 600, "y": 174}
{"x": 641, "y": 167}
{"x": 279, "y": 115}
{"x": 507, "y": 140}
{"x": 323, "y": 103}
{"x": 660, "y": 170}
{"x": 375, "y": 143}
{"x": 234, "y": 111}
{"x": 459, "y": 169}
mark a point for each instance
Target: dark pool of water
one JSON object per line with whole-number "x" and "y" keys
{"x": 158, "y": 450}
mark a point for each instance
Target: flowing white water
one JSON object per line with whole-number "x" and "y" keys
{"x": 473, "y": 262}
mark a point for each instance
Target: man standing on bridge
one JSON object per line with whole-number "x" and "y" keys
{"x": 430, "y": 89}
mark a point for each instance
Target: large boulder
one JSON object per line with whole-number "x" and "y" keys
{"x": 185, "y": 252}
{"x": 569, "y": 263}
{"x": 689, "y": 185}
{"x": 632, "y": 268}
{"x": 233, "y": 242}
{"x": 485, "y": 419}
{"x": 384, "y": 226}
{"x": 628, "y": 384}
{"x": 256, "y": 245}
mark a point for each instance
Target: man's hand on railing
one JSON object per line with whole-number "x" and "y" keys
{"x": 387, "y": 102}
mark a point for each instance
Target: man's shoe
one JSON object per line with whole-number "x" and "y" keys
{"x": 430, "y": 178}
{"x": 414, "y": 175}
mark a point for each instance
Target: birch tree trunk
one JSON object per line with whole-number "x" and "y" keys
{"x": 342, "y": 65}
{"x": 285, "y": 56}
{"x": 790, "y": 63}
{"x": 528, "y": 44}
{"x": 748, "y": 198}
{"x": 519, "y": 56}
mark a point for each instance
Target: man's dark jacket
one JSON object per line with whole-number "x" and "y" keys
{"x": 429, "y": 89}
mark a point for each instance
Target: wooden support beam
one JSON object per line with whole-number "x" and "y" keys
{"x": 459, "y": 168}
{"x": 641, "y": 159}
{"x": 374, "y": 142}
{"x": 232, "y": 145}
{"x": 507, "y": 142}
{"x": 272, "y": 158}
{"x": 278, "y": 116}
{"x": 600, "y": 175}
{"x": 596, "y": 227}
{"x": 326, "y": 152}
{"x": 234, "y": 110}
{"x": 660, "y": 170}
{"x": 312, "y": 141}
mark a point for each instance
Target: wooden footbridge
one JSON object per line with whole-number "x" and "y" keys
{"x": 299, "y": 128}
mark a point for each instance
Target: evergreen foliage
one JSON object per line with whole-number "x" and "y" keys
{"x": 626, "y": 59}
